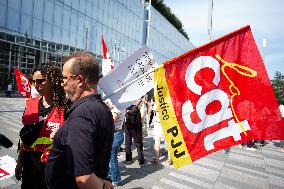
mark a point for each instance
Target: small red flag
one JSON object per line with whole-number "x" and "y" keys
{"x": 24, "y": 86}
{"x": 107, "y": 63}
{"x": 105, "y": 50}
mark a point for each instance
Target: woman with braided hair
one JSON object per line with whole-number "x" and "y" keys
{"x": 44, "y": 113}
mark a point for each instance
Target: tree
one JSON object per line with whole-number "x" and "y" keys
{"x": 278, "y": 86}
{"x": 167, "y": 13}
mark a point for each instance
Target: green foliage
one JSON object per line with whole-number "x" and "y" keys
{"x": 278, "y": 86}
{"x": 167, "y": 13}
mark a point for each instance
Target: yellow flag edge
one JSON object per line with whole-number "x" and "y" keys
{"x": 173, "y": 135}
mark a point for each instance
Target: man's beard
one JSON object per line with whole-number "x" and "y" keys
{"x": 70, "y": 95}
{"x": 74, "y": 95}
{"x": 67, "y": 96}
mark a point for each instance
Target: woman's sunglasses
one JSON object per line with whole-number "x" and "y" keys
{"x": 38, "y": 81}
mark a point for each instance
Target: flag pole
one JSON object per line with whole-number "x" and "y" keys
{"x": 134, "y": 80}
{"x": 264, "y": 43}
{"x": 210, "y": 20}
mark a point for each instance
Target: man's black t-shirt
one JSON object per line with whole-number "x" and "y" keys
{"x": 82, "y": 146}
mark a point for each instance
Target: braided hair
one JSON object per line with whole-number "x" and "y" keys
{"x": 54, "y": 76}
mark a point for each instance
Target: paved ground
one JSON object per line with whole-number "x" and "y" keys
{"x": 236, "y": 168}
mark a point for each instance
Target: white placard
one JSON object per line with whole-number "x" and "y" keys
{"x": 137, "y": 64}
{"x": 7, "y": 167}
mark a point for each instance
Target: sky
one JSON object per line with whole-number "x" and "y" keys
{"x": 265, "y": 17}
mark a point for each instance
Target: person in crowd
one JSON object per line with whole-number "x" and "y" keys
{"x": 281, "y": 149}
{"x": 34, "y": 92}
{"x": 158, "y": 137}
{"x": 249, "y": 145}
{"x": 144, "y": 114}
{"x": 151, "y": 114}
{"x": 9, "y": 90}
{"x": 81, "y": 150}
{"x": 45, "y": 112}
{"x": 133, "y": 130}
{"x": 118, "y": 138}
{"x": 261, "y": 143}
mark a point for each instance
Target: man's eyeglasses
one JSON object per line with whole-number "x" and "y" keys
{"x": 67, "y": 78}
{"x": 38, "y": 81}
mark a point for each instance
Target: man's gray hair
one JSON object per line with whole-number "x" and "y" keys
{"x": 85, "y": 64}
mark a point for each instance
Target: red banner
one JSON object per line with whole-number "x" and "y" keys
{"x": 24, "y": 86}
{"x": 221, "y": 96}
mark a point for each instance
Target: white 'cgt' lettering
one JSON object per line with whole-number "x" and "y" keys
{"x": 207, "y": 120}
{"x": 25, "y": 84}
{"x": 195, "y": 66}
{"x": 214, "y": 95}
{"x": 233, "y": 130}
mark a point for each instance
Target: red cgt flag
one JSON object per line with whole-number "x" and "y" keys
{"x": 216, "y": 96}
{"x": 24, "y": 86}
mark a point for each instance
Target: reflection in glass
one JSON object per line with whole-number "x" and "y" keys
{"x": 58, "y": 15}
{"x": 48, "y": 13}
{"x": 26, "y": 24}
{"x": 38, "y": 9}
{"x": 37, "y": 28}
{"x": 47, "y": 31}
{"x": 13, "y": 19}
{"x": 65, "y": 37}
{"x": 27, "y": 6}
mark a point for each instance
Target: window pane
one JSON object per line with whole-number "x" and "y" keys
{"x": 27, "y": 6}
{"x": 74, "y": 22}
{"x": 14, "y": 4}
{"x": 3, "y": 2}
{"x": 56, "y": 34}
{"x": 75, "y": 4}
{"x": 47, "y": 31}
{"x": 73, "y": 39}
{"x": 48, "y": 12}
{"x": 68, "y": 2}
{"x": 100, "y": 15}
{"x": 13, "y": 20}
{"x": 3, "y": 16}
{"x": 38, "y": 9}
{"x": 80, "y": 41}
{"x": 89, "y": 8}
{"x": 66, "y": 17}
{"x": 95, "y": 12}
{"x": 82, "y": 7}
{"x": 26, "y": 24}
{"x": 58, "y": 15}
{"x": 81, "y": 25}
{"x": 95, "y": 4}
{"x": 92, "y": 32}
{"x": 91, "y": 29}
{"x": 37, "y": 28}
{"x": 104, "y": 31}
{"x": 98, "y": 46}
{"x": 65, "y": 37}
{"x": 110, "y": 14}
{"x": 91, "y": 45}
{"x": 99, "y": 34}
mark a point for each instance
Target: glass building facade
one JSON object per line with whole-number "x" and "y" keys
{"x": 35, "y": 32}
{"x": 164, "y": 40}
